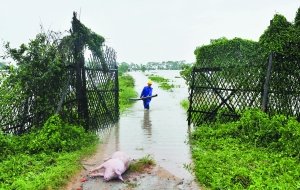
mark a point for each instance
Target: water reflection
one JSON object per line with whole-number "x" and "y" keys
{"x": 147, "y": 124}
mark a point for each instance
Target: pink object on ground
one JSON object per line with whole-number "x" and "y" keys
{"x": 123, "y": 157}
{"x": 114, "y": 167}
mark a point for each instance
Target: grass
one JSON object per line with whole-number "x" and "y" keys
{"x": 141, "y": 164}
{"x": 163, "y": 82}
{"x": 40, "y": 171}
{"x": 126, "y": 84}
{"x": 246, "y": 154}
{"x": 41, "y": 160}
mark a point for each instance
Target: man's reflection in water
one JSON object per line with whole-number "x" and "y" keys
{"x": 146, "y": 124}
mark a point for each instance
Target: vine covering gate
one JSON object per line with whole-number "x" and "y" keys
{"x": 83, "y": 90}
{"x": 226, "y": 91}
{"x": 90, "y": 96}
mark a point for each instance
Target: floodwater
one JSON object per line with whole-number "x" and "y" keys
{"x": 161, "y": 131}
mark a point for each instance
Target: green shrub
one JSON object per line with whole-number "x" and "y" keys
{"x": 45, "y": 158}
{"x": 256, "y": 152}
{"x": 57, "y": 136}
{"x": 6, "y": 145}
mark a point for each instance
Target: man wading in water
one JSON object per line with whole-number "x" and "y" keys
{"x": 147, "y": 91}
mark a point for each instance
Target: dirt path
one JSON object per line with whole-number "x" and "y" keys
{"x": 160, "y": 132}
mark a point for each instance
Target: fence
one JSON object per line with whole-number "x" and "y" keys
{"x": 226, "y": 91}
{"x": 91, "y": 93}
{"x": 86, "y": 92}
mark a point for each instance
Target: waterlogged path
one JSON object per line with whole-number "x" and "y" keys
{"x": 160, "y": 132}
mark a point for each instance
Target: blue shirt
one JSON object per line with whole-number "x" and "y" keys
{"x": 147, "y": 91}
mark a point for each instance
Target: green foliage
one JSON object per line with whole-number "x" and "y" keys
{"x": 43, "y": 159}
{"x": 123, "y": 68}
{"x": 185, "y": 104}
{"x": 186, "y": 73}
{"x": 81, "y": 36}
{"x": 283, "y": 39}
{"x": 40, "y": 171}
{"x": 163, "y": 82}
{"x": 39, "y": 61}
{"x": 126, "y": 85}
{"x": 256, "y": 152}
{"x": 143, "y": 68}
{"x": 57, "y": 136}
{"x": 224, "y": 52}
{"x": 141, "y": 164}
{"x": 277, "y": 35}
{"x": 164, "y": 65}
{"x": 241, "y": 65}
{"x": 32, "y": 91}
{"x": 6, "y": 145}
{"x": 297, "y": 18}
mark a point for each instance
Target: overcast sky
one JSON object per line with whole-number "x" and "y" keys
{"x": 145, "y": 30}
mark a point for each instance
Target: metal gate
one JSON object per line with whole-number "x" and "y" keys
{"x": 93, "y": 99}
{"x": 85, "y": 90}
{"x": 91, "y": 94}
{"x": 224, "y": 92}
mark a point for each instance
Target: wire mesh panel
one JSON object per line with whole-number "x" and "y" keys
{"x": 101, "y": 89}
{"x": 284, "y": 90}
{"x": 223, "y": 91}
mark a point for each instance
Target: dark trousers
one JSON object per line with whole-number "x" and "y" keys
{"x": 146, "y": 104}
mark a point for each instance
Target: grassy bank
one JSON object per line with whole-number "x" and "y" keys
{"x": 126, "y": 84}
{"x": 44, "y": 159}
{"x": 162, "y": 82}
{"x": 256, "y": 152}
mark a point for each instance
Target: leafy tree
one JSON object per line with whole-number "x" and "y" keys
{"x": 123, "y": 68}
{"x": 33, "y": 86}
{"x": 277, "y": 35}
{"x": 143, "y": 68}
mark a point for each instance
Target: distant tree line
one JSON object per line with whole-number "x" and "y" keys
{"x": 165, "y": 65}
{"x": 2, "y": 65}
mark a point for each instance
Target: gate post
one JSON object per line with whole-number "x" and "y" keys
{"x": 80, "y": 73}
{"x": 116, "y": 94}
{"x": 191, "y": 97}
{"x": 265, "y": 93}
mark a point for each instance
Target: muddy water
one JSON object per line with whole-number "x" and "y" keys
{"x": 161, "y": 131}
